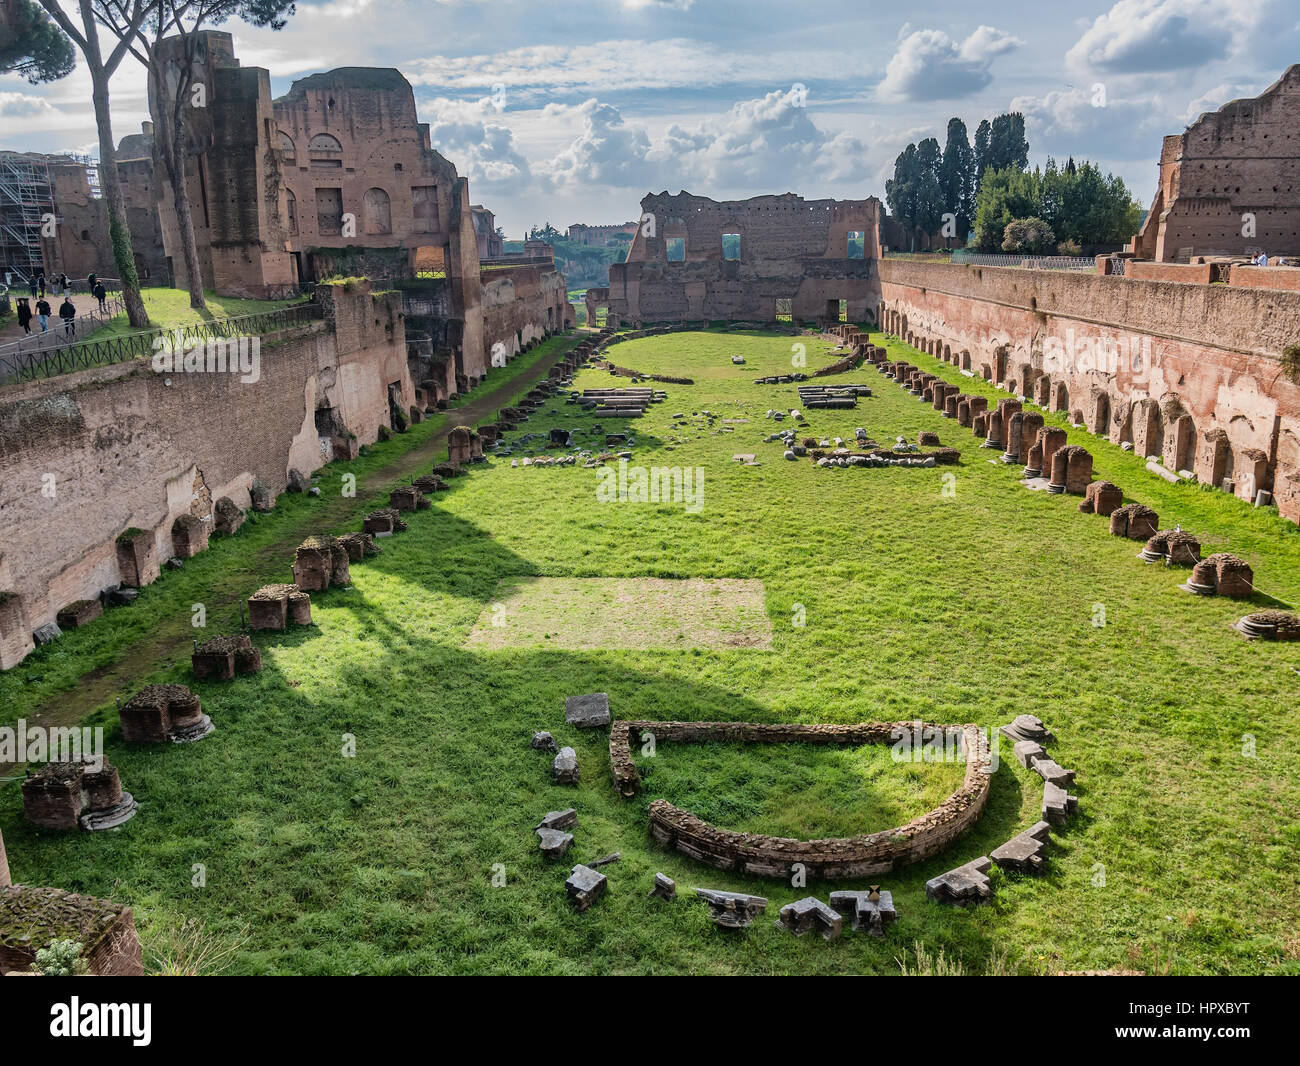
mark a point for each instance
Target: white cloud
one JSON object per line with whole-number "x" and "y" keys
{"x": 22, "y": 105}
{"x": 1143, "y": 36}
{"x": 930, "y": 65}
{"x": 482, "y": 149}
{"x": 679, "y": 64}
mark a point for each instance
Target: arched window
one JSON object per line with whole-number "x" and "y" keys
{"x": 377, "y": 211}
{"x": 325, "y": 151}
{"x": 291, "y": 209}
{"x": 287, "y": 147}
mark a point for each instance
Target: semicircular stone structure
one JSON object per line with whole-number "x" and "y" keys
{"x": 832, "y": 858}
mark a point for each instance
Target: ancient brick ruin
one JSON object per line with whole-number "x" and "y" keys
{"x": 72, "y": 795}
{"x": 760, "y": 260}
{"x": 159, "y": 713}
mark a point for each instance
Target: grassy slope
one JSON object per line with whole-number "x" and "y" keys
{"x": 970, "y": 608}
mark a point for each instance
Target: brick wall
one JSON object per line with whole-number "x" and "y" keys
{"x": 1190, "y": 372}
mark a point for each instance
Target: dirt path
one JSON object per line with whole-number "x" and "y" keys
{"x": 99, "y": 686}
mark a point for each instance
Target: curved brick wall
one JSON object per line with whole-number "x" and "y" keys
{"x": 844, "y": 857}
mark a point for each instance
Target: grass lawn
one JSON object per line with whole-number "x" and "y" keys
{"x": 171, "y": 307}
{"x": 888, "y": 598}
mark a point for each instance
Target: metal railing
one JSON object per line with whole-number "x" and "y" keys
{"x": 123, "y": 347}
{"x": 1027, "y": 262}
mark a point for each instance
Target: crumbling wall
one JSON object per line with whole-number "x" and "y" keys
{"x": 1230, "y": 183}
{"x": 125, "y": 447}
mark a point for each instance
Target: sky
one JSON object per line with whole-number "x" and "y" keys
{"x": 566, "y": 112}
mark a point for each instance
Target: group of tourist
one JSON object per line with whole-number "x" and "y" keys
{"x": 67, "y": 310}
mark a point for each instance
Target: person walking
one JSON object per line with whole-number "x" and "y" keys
{"x": 68, "y": 312}
{"x": 40, "y": 281}
{"x": 100, "y": 294}
{"x": 24, "y": 314}
{"x": 43, "y": 314}
{"x": 90, "y": 281}
{"x": 31, "y": 286}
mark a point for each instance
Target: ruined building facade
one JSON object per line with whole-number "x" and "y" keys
{"x": 338, "y": 178}
{"x": 1230, "y": 183}
{"x": 765, "y": 259}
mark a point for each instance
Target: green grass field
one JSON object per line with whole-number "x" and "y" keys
{"x": 968, "y": 606}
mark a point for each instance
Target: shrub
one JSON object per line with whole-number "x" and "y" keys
{"x": 61, "y": 958}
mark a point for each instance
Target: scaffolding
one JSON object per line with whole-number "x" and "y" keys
{"x": 26, "y": 197}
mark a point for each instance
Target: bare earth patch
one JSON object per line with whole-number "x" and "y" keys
{"x": 586, "y": 613}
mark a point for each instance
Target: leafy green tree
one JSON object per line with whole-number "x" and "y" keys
{"x": 957, "y": 176}
{"x": 171, "y": 81}
{"x": 101, "y": 67}
{"x": 1008, "y": 146}
{"x": 1003, "y": 197}
{"x": 1029, "y": 236}
{"x": 900, "y": 190}
{"x": 982, "y": 133}
{"x": 929, "y": 204}
{"x": 32, "y": 45}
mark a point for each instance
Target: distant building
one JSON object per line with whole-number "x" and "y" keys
{"x": 601, "y": 236}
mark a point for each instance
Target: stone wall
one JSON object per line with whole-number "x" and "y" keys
{"x": 130, "y": 448}
{"x": 521, "y": 305}
{"x": 751, "y": 853}
{"x": 790, "y": 249}
{"x": 1191, "y": 373}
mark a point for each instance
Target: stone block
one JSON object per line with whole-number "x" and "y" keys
{"x": 1024, "y": 852}
{"x": 136, "y": 561}
{"x": 732, "y": 910}
{"x": 871, "y": 910}
{"x": 1027, "y": 727}
{"x": 664, "y": 888}
{"x": 189, "y": 536}
{"x": 968, "y": 883}
{"x": 585, "y": 886}
{"x": 79, "y": 614}
{"x": 227, "y": 517}
{"x": 809, "y": 914}
{"x": 553, "y": 842}
{"x": 565, "y": 767}
{"x": 1058, "y": 804}
{"x": 587, "y": 712}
